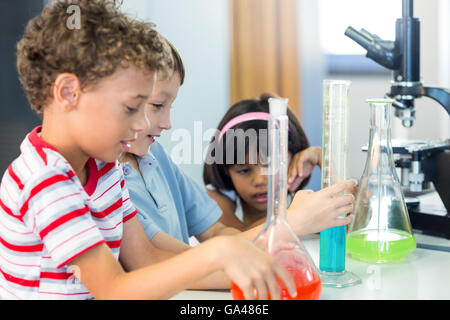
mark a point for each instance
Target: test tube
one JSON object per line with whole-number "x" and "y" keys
{"x": 334, "y": 170}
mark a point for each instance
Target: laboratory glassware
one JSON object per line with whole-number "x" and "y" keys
{"x": 381, "y": 229}
{"x": 276, "y": 237}
{"x": 334, "y": 170}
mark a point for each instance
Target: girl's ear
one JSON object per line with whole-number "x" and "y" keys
{"x": 67, "y": 90}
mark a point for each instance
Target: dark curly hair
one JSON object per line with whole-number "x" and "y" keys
{"x": 106, "y": 40}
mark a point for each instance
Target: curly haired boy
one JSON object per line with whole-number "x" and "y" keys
{"x": 67, "y": 227}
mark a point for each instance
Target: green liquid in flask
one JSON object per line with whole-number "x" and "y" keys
{"x": 380, "y": 246}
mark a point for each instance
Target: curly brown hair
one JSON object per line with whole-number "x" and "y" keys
{"x": 106, "y": 40}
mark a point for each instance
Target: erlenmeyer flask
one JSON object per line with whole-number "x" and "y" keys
{"x": 276, "y": 237}
{"x": 381, "y": 230}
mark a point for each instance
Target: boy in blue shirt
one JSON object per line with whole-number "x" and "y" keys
{"x": 168, "y": 200}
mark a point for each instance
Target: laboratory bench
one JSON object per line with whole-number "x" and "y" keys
{"x": 424, "y": 275}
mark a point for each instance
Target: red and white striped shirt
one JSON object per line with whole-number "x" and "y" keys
{"x": 47, "y": 218}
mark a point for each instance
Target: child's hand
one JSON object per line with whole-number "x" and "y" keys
{"x": 252, "y": 270}
{"x": 301, "y": 166}
{"x": 312, "y": 212}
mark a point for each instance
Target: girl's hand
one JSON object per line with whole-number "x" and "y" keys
{"x": 302, "y": 165}
{"x": 252, "y": 270}
{"x": 311, "y": 212}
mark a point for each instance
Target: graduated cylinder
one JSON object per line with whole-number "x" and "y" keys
{"x": 334, "y": 166}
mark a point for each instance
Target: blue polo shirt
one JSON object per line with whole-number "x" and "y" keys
{"x": 166, "y": 199}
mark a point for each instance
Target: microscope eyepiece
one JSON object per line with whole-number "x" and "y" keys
{"x": 360, "y": 38}
{"x": 380, "y": 51}
{"x": 403, "y": 57}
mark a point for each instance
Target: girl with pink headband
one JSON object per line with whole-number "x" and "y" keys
{"x": 240, "y": 188}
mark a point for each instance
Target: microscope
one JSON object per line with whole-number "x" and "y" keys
{"x": 420, "y": 162}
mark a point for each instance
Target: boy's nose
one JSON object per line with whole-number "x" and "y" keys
{"x": 142, "y": 122}
{"x": 166, "y": 123}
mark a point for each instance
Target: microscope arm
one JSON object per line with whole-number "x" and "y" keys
{"x": 441, "y": 95}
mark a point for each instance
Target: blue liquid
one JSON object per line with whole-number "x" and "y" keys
{"x": 332, "y": 249}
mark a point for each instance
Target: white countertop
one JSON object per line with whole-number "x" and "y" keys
{"x": 424, "y": 274}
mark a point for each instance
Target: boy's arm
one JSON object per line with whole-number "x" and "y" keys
{"x": 163, "y": 241}
{"x": 104, "y": 277}
{"x": 252, "y": 270}
{"x": 136, "y": 251}
{"x": 219, "y": 229}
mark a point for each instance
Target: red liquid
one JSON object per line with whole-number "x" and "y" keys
{"x": 306, "y": 290}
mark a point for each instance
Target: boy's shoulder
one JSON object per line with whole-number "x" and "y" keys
{"x": 36, "y": 168}
{"x": 41, "y": 166}
{"x": 36, "y": 159}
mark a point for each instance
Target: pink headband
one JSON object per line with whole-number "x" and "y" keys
{"x": 243, "y": 118}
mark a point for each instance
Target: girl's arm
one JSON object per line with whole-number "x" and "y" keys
{"x": 302, "y": 165}
{"x": 228, "y": 207}
{"x": 312, "y": 212}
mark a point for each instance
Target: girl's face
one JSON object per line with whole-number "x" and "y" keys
{"x": 250, "y": 183}
{"x": 158, "y": 112}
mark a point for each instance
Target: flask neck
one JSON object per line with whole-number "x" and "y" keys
{"x": 277, "y": 213}
{"x": 379, "y": 115}
{"x": 277, "y": 169}
{"x": 380, "y": 148}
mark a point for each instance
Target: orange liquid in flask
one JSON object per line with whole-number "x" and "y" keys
{"x": 306, "y": 289}
{"x": 276, "y": 237}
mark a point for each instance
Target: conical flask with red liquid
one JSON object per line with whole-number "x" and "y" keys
{"x": 276, "y": 237}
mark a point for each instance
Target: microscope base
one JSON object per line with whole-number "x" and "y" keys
{"x": 430, "y": 217}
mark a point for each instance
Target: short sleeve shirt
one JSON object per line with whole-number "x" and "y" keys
{"x": 168, "y": 200}
{"x": 47, "y": 218}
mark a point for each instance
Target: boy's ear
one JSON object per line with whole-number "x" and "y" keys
{"x": 66, "y": 90}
